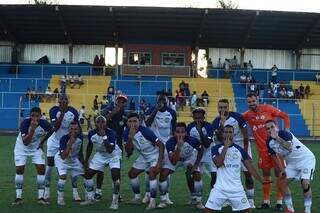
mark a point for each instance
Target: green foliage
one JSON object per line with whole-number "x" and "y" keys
{"x": 227, "y": 5}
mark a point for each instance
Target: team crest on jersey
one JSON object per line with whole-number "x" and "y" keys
{"x": 305, "y": 171}
{"x": 244, "y": 200}
{"x": 167, "y": 119}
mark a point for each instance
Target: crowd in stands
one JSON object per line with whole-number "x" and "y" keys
{"x": 71, "y": 81}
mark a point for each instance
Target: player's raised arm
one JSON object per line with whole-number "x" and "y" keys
{"x": 278, "y": 113}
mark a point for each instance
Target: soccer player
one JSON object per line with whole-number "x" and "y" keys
{"x": 69, "y": 158}
{"x": 162, "y": 120}
{"x": 107, "y": 153}
{"x": 186, "y": 151}
{"x": 256, "y": 117}
{"x": 61, "y": 116}
{"x": 240, "y": 138}
{"x": 228, "y": 157}
{"x": 203, "y": 131}
{"x": 31, "y": 131}
{"x": 150, "y": 158}
{"x": 116, "y": 120}
{"x": 300, "y": 163}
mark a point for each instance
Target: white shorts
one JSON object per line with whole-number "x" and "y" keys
{"x": 143, "y": 163}
{"x": 21, "y": 157}
{"x": 303, "y": 170}
{"x": 99, "y": 162}
{"x": 218, "y": 197}
{"x": 53, "y": 146}
{"x": 168, "y": 165}
{"x": 63, "y": 166}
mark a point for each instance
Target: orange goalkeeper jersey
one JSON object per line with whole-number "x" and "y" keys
{"x": 257, "y": 120}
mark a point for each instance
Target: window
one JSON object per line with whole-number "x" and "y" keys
{"x": 141, "y": 58}
{"x": 173, "y": 59}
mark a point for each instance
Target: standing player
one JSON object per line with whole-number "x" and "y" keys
{"x": 61, "y": 116}
{"x": 31, "y": 131}
{"x": 162, "y": 120}
{"x": 203, "y": 131}
{"x": 69, "y": 158}
{"x": 116, "y": 120}
{"x": 229, "y": 157}
{"x": 150, "y": 158}
{"x": 240, "y": 138}
{"x": 299, "y": 159}
{"x": 107, "y": 153}
{"x": 186, "y": 151}
{"x": 256, "y": 117}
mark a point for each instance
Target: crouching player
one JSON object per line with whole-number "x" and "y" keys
{"x": 228, "y": 187}
{"x": 31, "y": 131}
{"x": 69, "y": 158}
{"x": 107, "y": 153}
{"x": 150, "y": 157}
{"x": 299, "y": 159}
{"x": 186, "y": 151}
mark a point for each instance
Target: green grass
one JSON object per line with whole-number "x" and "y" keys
{"x": 179, "y": 193}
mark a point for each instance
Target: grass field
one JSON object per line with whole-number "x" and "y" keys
{"x": 179, "y": 193}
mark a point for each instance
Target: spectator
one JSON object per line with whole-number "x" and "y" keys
{"x": 33, "y": 94}
{"x": 89, "y": 124}
{"x": 261, "y": 91}
{"x": 234, "y": 62}
{"x": 132, "y": 105}
{"x": 290, "y": 93}
{"x": 78, "y": 80}
{"x": 194, "y": 100}
{"x": 209, "y": 64}
{"x": 102, "y": 61}
{"x": 96, "y": 61}
{"x": 44, "y": 116}
{"x": 283, "y": 93}
{"x": 274, "y": 73}
{"x": 63, "y": 61}
{"x": 56, "y": 92}
{"x": 95, "y": 103}
{"x": 317, "y": 78}
{"x": 297, "y": 94}
{"x": 28, "y": 95}
{"x": 48, "y": 94}
{"x": 182, "y": 85}
{"x": 249, "y": 68}
{"x": 227, "y": 68}
{"x": 72, "y": 81}
{"x": 186, "y": 91}
{"x": 301, "y": 91}
{"x": 243, "y": 79}
{"x": 104, "y": 102}
{"x": 173, "y": 104}
{"x": 82, "y": 115}
{"x": 307, "y": 91}
{"x": 205, "y": 98}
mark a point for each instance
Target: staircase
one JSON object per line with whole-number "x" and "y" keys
{"x": 216, "y": 88}
{"x": 310, "y": 108}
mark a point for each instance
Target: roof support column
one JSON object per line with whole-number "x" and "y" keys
{"x": 298, "y": 58}
{"x": 70, "y": 53}
{"x": 242, "y": 52}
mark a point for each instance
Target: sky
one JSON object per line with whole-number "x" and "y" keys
{"x": 282, "y": 5}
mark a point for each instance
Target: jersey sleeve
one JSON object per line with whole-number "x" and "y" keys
{"x": 148, "y": 134}
{"x": 215, "y": 150}
{"x": 216, "y": 124}
{"x": 170, "y": 145}
{"x": 75, "y": 113}
{"x": 270, "y": 150}
{"x": 45, "y": 125}
{"x": 24, "y": 127}
{"x": 275, "y": 112}
{"x": 149, "y": 111}
{"x": 287, "y": 136}
{"x": 53, "y": 113}
{"x": 63, "y": 142}
{"x": 209, "y": 130}
{"x": 194, "y": 142}
{"x": 189, "y": 127}
{"x": 111, "y": 136}
{"x": 174, "y": 119}
{"x": 244, "y": 154}
{"x": 91, "y": 134}
{"x": 242, "y": 123}
{"x": 125, "y": 135}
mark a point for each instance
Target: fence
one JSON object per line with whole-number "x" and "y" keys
{"x": 155, "y": 70}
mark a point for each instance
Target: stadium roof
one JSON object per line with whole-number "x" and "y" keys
{"x": 116, "y": 24}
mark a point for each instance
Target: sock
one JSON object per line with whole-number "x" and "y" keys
{"x": 288, "y": 202}
{"x": 60, "y": 187}
{"x": 19, "y": 185}
{"x": 153, "y": 188}
{"x": 307, "y": 203}
{"x": 88, "y": 184}
{"x": 147, "y": 182}
{"x": 279, "y": 191}
{"x": 98, "y": 191}
{"x": 250, "y": 193}
{"x": 135, "y": 185}
{"x": 40, "y": 183}
{"x": 198, "y": 185}
{"x": 116, "y": 188}
{"x": 48, "y": 176}
{"x": 266, "y": 188}
{"x": 75, "y": 191}
{"x": 163, "y": 188}
{"x": 74, "y": 180}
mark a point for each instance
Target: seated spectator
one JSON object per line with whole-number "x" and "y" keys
{"x": 249, "y": 68}
{"x": 301, "y": 91}
{"x": 290, "y": 93}
{"x": 28, "y": 95}
{"x": 307, "y": 91}
{"x": 243, "y": 78}
{"x": 297, "y": 94}
{"x": 317, "y": 77}
{"x": 205, "y": 98}
{"x": 89, "y": 124}
{"x": 78, "y": 80}
{"x": 48, "y": 94}
{"x": 71, "y": 81}
{"x": 95, "y": 103}
{"x": 194, "y": 100}
{"x": 283, "y": 93}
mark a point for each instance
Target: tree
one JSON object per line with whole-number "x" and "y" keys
{"x": 227, "y": 5}
{"x": 43, "y": 2}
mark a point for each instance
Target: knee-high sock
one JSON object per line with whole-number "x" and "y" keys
{"x": 116, "y": 188}
{"x": 89, "y": 188}
{"x": 40, "y": 183}
{"x": 19, "y": 184}
{"x": 288, "y": 201}
{"x": 307, "y": 202}
{"x": 279, "y": 191}
{"x": 147, "y": 182}
{"x": 163, "y": 188}
{"x": 198, "y": 185}
{"x": 135, "y": 185}
{"x": 60, "y": 187}
{"x": 48, "y": 175}
{"x": 153, "y": 188}
{"x": 266, "y": 188}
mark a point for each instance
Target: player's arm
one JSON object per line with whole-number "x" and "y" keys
{"x": 247, "y": 163}
{"x": 159, "y": 144}
{"x": 278, "y": 113}
{"x": 218, "y": 159}
{"x": 65, "y": 150}
{"x": 285, "y": 143}
{"x": 129, "y": 141}
{"x": 174, "y": 153}
{"x": 57, "y": 123}
{"x": 88, "y": 151}
{"x": 152, "y": 116}
{"x": 245, "y": 134}
{"x": 109, "y": 142}
{"x": 81, "y": 158}
{"x": 27, "y": 139}
{"x": 205, "y": 141}
{"x": 199, "y": 157}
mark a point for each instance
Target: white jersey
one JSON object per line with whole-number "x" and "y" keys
{"x": 75, "y": 149}
{"x": 40, "y": 131}
{"x": 299, "y": 152}
{"x": 237, "y": 122}
{"x": 70, "y": 116}
{"x": 163, "y": 123}
{"x": 188, "y": 150}
{"x": 97, "y": 140}
{"x": 229, "y": 175}
{"x": 143, "y": 141}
